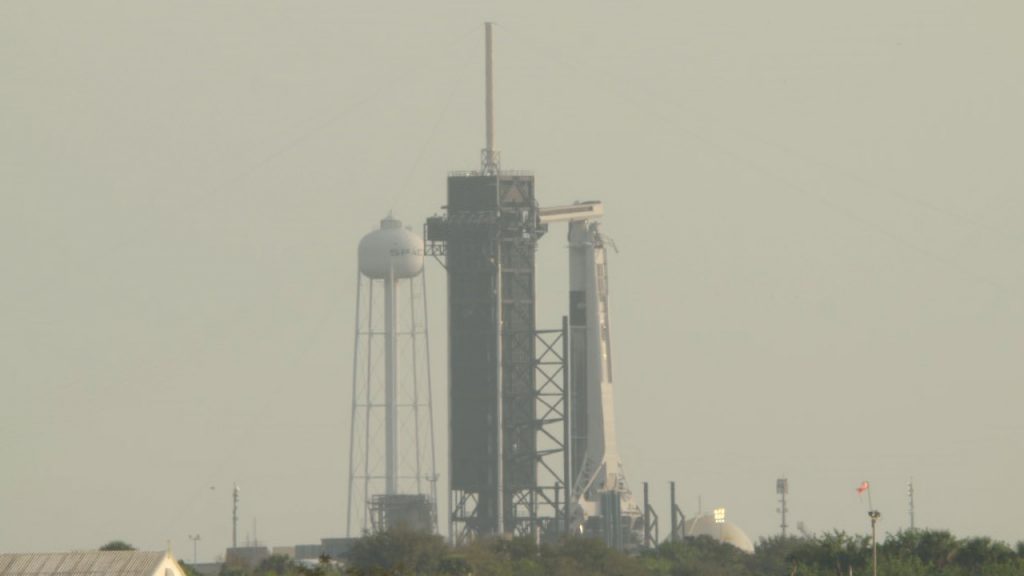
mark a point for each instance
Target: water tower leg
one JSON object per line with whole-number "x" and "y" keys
{"x": 390, "y": 383}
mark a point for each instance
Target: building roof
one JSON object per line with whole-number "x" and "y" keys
{"x": 727, "y": 532}
{"x": 93, "y": 563}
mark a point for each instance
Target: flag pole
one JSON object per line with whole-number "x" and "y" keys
{"x": 865, "y": 486}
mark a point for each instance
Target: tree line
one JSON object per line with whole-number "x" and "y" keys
{"x": 905, "y": 553}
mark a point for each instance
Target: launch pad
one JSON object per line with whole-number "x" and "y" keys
{"x": 532, "y": 448}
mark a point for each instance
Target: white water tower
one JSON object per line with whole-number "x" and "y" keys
{"x": 392, "y": 468}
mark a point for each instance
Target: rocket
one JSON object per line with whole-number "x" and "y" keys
{"x": 599, "y": 485}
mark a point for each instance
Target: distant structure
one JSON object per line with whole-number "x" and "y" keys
{"x": 910, "y": 501}
{"x": 677, "y": 521}
{"x": 782, "y": 489}
{"x": 651, "y": 537}
{"x": 392, "y": 467}
{"x": 234, "y": 517}
{"x": 248, "y": 556}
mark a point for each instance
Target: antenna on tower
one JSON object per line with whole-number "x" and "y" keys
{"x": 782, "y": 489}
{"x": 234, "y": 519}
{"x": 490, "y": 159}
{"x": 910, "y": 501}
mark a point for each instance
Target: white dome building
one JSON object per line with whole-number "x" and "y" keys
{"x": 705, "y": 525}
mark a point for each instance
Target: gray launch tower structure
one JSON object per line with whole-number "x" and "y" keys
{"x": 490, "y": 236}
{"x": 488, "y": 239}
{"x": 532, "y": 447}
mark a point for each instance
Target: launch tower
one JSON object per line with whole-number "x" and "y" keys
{"x": 488, "y": 239}
{"x": 531, "y": 427}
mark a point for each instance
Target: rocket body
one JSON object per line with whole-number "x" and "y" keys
{"x": 595, "y": 457}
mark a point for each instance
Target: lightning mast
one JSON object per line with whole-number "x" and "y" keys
{"x": 490, "y": 159}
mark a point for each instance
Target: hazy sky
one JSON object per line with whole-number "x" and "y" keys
{"x": 818, "y": 208}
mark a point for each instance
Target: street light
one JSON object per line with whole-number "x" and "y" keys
{"x": 720, "y": 520}
{"x": 195, "y": 542}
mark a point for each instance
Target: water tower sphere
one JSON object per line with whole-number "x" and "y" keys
{"x": 392, "y": 248}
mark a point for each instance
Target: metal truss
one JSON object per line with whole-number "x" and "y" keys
{"x": 651, "y": 537}
{"x": 553, "y": 492}
{"x": 464, "y": 518}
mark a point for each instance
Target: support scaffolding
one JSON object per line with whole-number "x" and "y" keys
{"x": 651, "y": 536}
{"x": 678, "y": 521}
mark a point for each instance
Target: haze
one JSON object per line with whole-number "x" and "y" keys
{"x": 817, "y": 207}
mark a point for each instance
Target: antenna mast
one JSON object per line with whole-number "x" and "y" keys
{"x": 234, "y": 519}
{"x": 782, "y": 489}
{"x": 490, "y": 159}
{"x": 910, "y": 498}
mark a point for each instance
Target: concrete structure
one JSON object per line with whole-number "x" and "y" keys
{"x": 308, "y": 552}
{"x": 207, "y": 568}
{"x": 286, "y": 551}
{"x": 94, "y": 563}
{"x": 333, "y": 548}
{"x": 249, "y": 556}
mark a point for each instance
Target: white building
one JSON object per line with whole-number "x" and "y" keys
{"x": 727, "y": 532}
{"x": 93, "y": 563}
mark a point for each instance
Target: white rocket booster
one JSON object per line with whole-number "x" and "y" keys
{"x": 596, "y": 463}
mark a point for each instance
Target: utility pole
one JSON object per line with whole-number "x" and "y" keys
{"x": 195, "y": 541}
{"x": 910, "y": 497}
{"x": 234, "y": 519}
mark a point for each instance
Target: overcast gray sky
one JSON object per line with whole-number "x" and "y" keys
{"x": 817, "y": 206}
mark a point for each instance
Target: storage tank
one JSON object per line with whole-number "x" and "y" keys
{"x": 391, "y": 248}
{"x": 391, "y": 256}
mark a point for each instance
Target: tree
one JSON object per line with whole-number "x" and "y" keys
{"x": 777, "y": 554}
{"x": 188, "y": 569}
{"x": 975, "y": 553}
{"x": 276, "y": 565}
{"x": 398, "y": 551}
{"x": 588, "y": 556}
{"x": 702, "y": 556}
{"x": 936, "y": 548}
